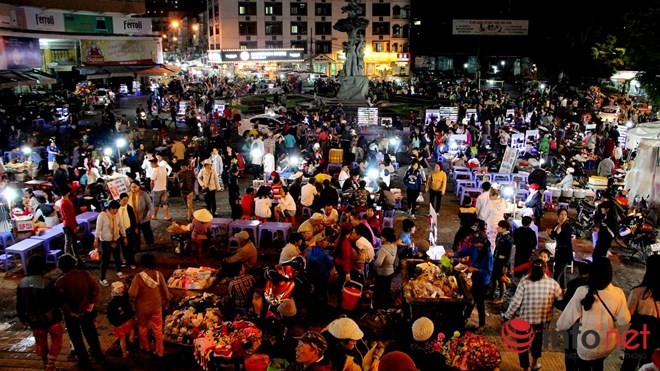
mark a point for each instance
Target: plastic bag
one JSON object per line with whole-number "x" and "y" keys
{"x": 95, "y": 255}
{"x": 420, "y": 198}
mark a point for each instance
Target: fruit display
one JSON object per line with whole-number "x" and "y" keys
{"x": 193, "y": 316}
{"x": 192, "y": 278}
{"x": 229, "y": 340}
{"x": 468, "y": 352}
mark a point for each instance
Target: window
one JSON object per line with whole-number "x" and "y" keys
{"x": 406, "y": 31}
{"x": 381, "y": 47}
{"x": 247, "y": 45}
{"x": 274, "y": 45}
{"x": 273, "y": 9}
{"x": 323, "y": 28}
{"x": 380, "y": 10}
{"x": 298, "y": 28}
{"x": 395, "y": 48}
{"x": 211, "y": 31}
{"x": 247, "y": 28}
{"x": 396, "y": 12}
{"x": 247, "y": 8}
{"x": 396, "y": 31}
{"x": 322, "y": 47}
{"x": 300, "y": 45}
{"x": 217, "y": 29}
{"x": 299, "y": 9}
{"x": 380, "y": 28}
{"x": 405, "y": 12}
{"x": 216, "y": 10}
{"x": 273, "y": 28}
{"x": 323, "y": 10}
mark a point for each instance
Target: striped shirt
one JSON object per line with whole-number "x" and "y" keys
{"x": 533, "y": 300}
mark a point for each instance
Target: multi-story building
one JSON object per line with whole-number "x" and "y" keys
{"x": 245, "y": 33}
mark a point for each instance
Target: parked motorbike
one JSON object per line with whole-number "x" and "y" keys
{"x": 284, "y": 281}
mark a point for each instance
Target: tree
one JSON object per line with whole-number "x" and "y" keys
{"x": 641, "y": 36}
{"x": 608, "y": 56}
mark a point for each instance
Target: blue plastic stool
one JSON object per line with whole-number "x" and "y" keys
{"x": 5, "y": 236}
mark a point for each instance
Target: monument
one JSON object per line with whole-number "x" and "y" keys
{"x": 354, "y": 82}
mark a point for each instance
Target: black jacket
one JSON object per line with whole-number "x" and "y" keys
{"x": 564, "y": 249}
{"x": 119, "y": 310}
{"x": 37, "y": 302}
{"x": 536, "y": 205}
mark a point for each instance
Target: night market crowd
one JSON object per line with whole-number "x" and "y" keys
{"x": 337, "y": 188}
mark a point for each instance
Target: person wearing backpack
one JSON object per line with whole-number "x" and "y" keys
{"x": 436, "y": 187}
{"x": 37, "y": 305}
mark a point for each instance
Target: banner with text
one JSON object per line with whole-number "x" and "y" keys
{"x": 120, "y": 52}
{"x": 262, "y": 55}
{"x": 131, "y": 26}
{"x": 490, "y": 27}
{"x": 85, "y": 23}
{"x": 37, "y": 19}
{"x": 17, "y": 53}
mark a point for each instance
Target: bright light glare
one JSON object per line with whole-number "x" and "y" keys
{"x": 542, "y": 161}
{"x": 107, "y": 151}
{"x": 507, "y": 191}
{"x": 121, "y": 142}
{"x": 294, "y": 161}
{"x": 373, "y": 173}
{"x": 453, "y": 145}
{"x": 10, "y": 193}
{"x": 394, "y": 141}
{"x": 542, "y": 86}
{"x": 26, "y": 150}
{"x": 256, "y": 153}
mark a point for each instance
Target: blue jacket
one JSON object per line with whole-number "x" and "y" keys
{"x": 413, "y": 180}
{"x": 480, "y": 259}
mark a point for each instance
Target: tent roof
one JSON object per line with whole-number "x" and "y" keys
{"x": 649, "y": 143}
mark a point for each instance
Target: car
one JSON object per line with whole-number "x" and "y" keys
{"x": 266, "y": 123}
{"x": 268, "y": 87}
{"x": 609, "y": 113}
{"x": 102, "y": 97}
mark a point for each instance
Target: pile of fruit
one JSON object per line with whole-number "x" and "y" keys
{"x": 468, "y": 352}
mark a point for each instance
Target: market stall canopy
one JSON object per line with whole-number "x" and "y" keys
{"x": 93, "y": 73}
{"x": 165, "y": 70}
{"x": 643, "y": 178}
{"x": 12, "y": 79}
{"x": 649, "y": 130}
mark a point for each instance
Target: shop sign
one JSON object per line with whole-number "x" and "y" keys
{"x": 37, "y": 19}
{"x": 214, "y": 56}
{"x": 261, "y": 55}
{"x": 403, "y": 57}
{"x": 131, "y": 26}
{"x": 18, "y": 53}
{"x": 509, "y": 160}
{"x": 85, "y": 23}
{"x": 120, "y": 52}
{"x": 490, "y": 27}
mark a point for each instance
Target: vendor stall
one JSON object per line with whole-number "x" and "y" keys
{"x": 643, "y": 179}
{"x": 192, "y": 278}
{"x": 436, "y": 291}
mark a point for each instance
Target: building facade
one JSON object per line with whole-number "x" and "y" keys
{"x": 308, "y": 26}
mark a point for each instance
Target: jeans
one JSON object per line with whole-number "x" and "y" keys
{"x": 382, "y": 290}
{"x": 145, "y": 228}
{"x": 69, "y": 241}
{"x": 209, "y": 199}
{"x": 412, "y": 200}
{"x": 188, "y": 199}
{"x": 41, "y": 341}
{"x": 435, "y": 199}
{"x": 84, "y": 325}
{"x": 155, "y": 322}
{"x": 479, "y": 295}
{"x": 107, "y": 250}
{"x": 128, "y": 249}
{"x": 559, "y": 273}
{"x": 537, "y": 344}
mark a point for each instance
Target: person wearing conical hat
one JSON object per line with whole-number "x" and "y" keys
{"x": 200, "y": 228}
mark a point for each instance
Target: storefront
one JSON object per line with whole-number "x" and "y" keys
{"x": 265, "y": 62}
{"x": 383, "y": 65}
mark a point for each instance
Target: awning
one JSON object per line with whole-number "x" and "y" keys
{"x": 158, "y": 71}
{"x": 92, "y": 73}
{"x": 12, "y": 79}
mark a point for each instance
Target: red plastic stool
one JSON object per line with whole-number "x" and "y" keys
{"x": 246, "y": 217}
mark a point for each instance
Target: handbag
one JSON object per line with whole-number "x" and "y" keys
{"x": 95, "y": 255}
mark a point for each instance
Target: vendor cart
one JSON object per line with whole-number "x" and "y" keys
{"x": 447, "y": 313}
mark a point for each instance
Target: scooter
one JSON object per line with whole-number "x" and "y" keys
{"x": 284, "y": 281}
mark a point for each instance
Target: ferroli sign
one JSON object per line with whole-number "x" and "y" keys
{"x": 262, "y": 55}
{"x": 38, "y": 19}
{"x": 131, "y": 26}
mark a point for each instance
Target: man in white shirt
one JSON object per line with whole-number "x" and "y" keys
{"x": 482, "y": 200}
{"x": 344, "y": 175}
{"x": 330, "y": 215}
{"x": 293, "y": 248}
{"x": 148, "y": 169}
{"x": 269, "y": 163}
{"x": 109, "y": 227}
{"x": 308, "y": 192}
{"x": 159, "y": 189}
{"x": 286, "y": 206}
{"x": 257, "y": 151}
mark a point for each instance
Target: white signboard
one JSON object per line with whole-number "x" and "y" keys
{"x": 471, "y": 111}
{"x": 518, "y": 141}
{"x": 490, "y": 27}
{"x": 509, "y": 160}
{"x": 532, "y": 135}
{"x": 367, "y": 116}
{"x": 510, "y": 112}
{"x": 38, "y": 19}
{"x": 431, "y": 113}
{"x": 117, "y": 187}
{"x": 449, "y": 113}
{"x": 131, "y": 26}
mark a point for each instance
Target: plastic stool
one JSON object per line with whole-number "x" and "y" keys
{"x": 53, "y": 255}
{"x": 389, "y": 213}
{"x": 5, "y": 236}
{"x": 388, "y": 222}
{"x": 307, "y": 211}
{"x": 4, "y": 260}
{"x": 563, "y": 205}
{"x": 246, "y": 217}
{"x": 395, "y": 165}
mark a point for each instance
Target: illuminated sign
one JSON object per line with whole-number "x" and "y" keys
{"x": 259, "y": 55}
{"x": 403, "y": 57}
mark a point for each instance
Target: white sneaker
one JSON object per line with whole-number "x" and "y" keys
{"x": 104, "y": 283}
{"x": 120, "y": 275}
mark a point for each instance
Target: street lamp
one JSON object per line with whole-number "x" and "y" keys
{"x": 175, "y": 23}
{"x": 503, "y": 63}
{"x": 195, "y": 27}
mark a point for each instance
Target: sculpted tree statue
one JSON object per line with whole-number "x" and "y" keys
{"x": 354, "y": 83}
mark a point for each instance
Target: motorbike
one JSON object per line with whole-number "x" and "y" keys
{"x": 584, "y": 218}
{"x": 637, "y": 232}
{"x": 559, "y": 164}
{"x": 284, "y": 281}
